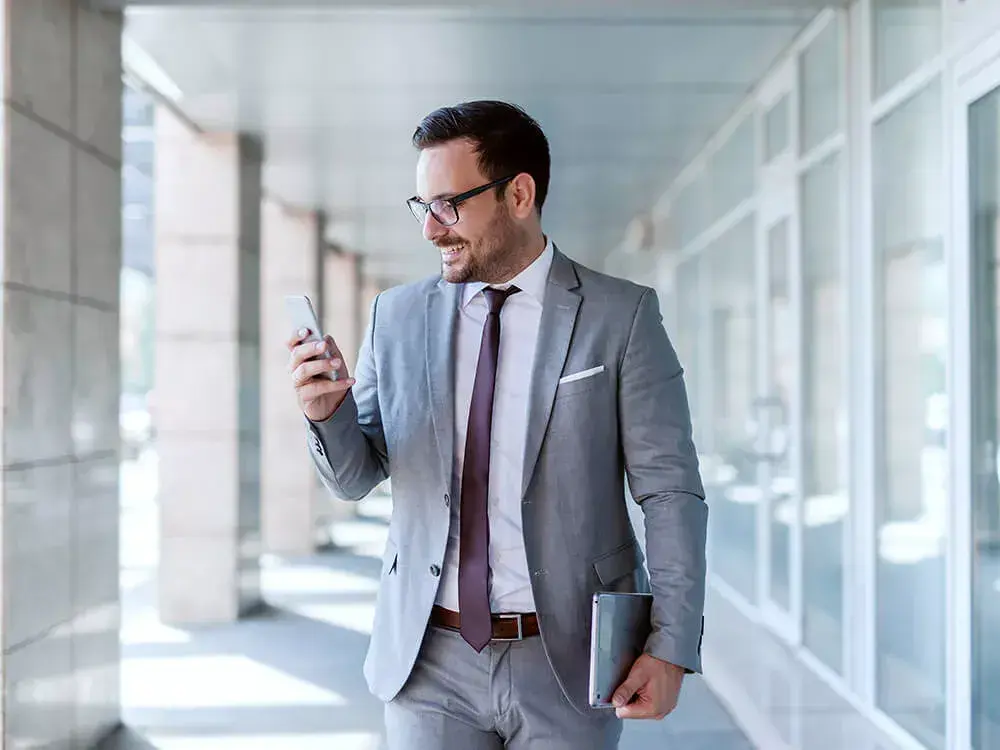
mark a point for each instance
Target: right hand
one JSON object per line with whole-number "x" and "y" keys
{"x": 319, "y": 396}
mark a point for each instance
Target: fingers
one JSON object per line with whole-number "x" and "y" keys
{"x": 296, "y": 337}
{"x": 319, "y": 387}
{"x": 643, "y": 710}
{"x": 313, "y": 368}
{"x": 305, "y": 351}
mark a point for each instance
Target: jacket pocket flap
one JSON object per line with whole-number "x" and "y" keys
{"x": 619, "y": 563}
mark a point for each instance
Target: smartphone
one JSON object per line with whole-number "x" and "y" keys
{"x": 303, "y": 315}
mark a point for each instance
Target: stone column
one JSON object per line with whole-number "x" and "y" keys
{"x": 290, "y": 490}
{"x": 370, "y": 289}
{"x": 342, "y": 311}
{"x": 342, "y": 320}
{"x": 208, "y": 202}
{"x": 60, "y": 234}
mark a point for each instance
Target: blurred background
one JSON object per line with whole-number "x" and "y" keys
{"x": 811, "y": 187}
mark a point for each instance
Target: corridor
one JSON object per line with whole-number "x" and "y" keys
{"x": 289, "y": 677}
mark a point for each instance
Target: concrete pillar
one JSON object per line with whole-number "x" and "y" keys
{"x": 60, "y": 235}
{"x": 208, "y": 202}
{"x": 342, "y": 320}
{"x": 370, "y": 289}
{"x": 342, "y": 303}
{"x": 290, "y": 490}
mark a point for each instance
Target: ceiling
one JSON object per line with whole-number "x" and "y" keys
{"x": 335, "y": 89}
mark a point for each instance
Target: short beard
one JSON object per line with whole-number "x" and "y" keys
{"x": 503, "y": 246}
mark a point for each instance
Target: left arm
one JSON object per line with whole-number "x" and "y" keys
{"x": 662, "y": 469}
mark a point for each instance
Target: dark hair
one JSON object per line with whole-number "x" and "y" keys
{"x": 508, "y": 141}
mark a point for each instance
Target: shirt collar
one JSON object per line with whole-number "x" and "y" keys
{"x": 530, "y": 281}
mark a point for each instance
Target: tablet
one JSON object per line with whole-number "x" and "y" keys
{"x": 620, "y": 625}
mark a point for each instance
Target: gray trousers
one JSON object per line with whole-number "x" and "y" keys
{"x": 506, "y": 696}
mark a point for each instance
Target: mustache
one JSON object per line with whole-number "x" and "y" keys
{"x": 447, "y": 242}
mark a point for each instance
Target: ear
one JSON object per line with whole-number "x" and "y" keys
{"x": 521, "y": 195}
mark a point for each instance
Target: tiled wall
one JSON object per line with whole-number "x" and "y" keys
{"x": 60, "y": 187}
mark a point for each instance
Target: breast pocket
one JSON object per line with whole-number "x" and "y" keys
{"x": 582, "y": 381}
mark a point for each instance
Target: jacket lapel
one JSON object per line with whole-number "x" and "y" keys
{"x": 439, "y": 338}
{"x": 559, "y": 311}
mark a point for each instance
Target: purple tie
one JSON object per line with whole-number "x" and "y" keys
{"x": 474, "y": 545}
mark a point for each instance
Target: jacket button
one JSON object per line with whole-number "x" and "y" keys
{"x": 447, "y": 500}
{"x": 435, "y": 571}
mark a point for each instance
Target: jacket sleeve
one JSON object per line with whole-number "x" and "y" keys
{"x": 349, "y": 448}
{"x": 661, "y": 466}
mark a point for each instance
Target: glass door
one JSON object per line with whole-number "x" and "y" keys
{"x": 984, "y": 255}
{"x": 776, "y": 413}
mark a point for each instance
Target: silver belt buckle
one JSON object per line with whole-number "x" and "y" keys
{"x": 520, "y": 628}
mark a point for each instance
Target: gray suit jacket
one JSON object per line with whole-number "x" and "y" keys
{"x": 585, "y": 437}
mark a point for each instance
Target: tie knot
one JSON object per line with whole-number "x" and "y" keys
{"x": 496, "y": 297}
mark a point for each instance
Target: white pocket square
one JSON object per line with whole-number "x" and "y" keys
{"x": 581, "y": 375}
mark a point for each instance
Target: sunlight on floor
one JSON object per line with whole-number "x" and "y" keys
{"x": 345, "y": 741}
{"x": 280, "y": 580}
{"x": 356, "y": 617}
{"x": 215, "y": 681}
{"x": 145, "y": 627}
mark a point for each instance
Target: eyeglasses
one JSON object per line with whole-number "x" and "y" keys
{"x": 445, "y": 210}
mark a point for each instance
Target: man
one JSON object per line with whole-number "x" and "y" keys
{"x": 509, "y": 399}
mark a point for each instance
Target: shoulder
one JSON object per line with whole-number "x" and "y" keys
{"x": 620, "y": 295}
{"x": 403, "y": 299}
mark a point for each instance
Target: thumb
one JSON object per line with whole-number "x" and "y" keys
{"x": 626, "y": 690}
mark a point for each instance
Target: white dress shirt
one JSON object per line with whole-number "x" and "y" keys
{"x": 510, "y": 582}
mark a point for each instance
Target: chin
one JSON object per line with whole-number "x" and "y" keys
{"x": 454, "y": 274}
{"x": 457, "y": 271}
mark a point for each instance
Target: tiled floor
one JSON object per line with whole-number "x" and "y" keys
{"x": 290, "y": 678}
{"x": 780, "y": 702}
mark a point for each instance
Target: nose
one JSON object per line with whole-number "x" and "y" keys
{"x": 433, "y": 229}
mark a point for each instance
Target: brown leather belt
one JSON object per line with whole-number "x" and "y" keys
{"x": 512, "y": 627}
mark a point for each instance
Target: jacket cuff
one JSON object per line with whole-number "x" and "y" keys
{"x": 343, "y": 419}
{"x": 665, "y": 647}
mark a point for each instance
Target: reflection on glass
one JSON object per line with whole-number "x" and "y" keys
{"x": 732, "y": 171}
{"x": 691, "y": 210}
{"x": 687, "y": 337}
{"x": 984, "y": 160}
{"x": 824, "y": 418}
{"x": 776, "y": 129}
{"x": 911, "y": 501}
{"x": 820, "y": 87}
{"x": 774, "y": 410}
{"x": 730, "y": 469}
{"x": 906, "y": 34}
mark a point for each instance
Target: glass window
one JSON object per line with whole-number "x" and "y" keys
{"x": 984, "y": 160}
{"x": 730, "y": 467}
{"x": 906, "y": 34}
{"x": 688, "y": 335}
{"x": 825, "y": 496}
{"x": 912, "y": 462}
{"x": 776, "y": 129}
{"x": 820, "y": 74}
{"x": 691, "y": 210}
{"x": 774, "y": 411}
{"x": 732, "y": 171}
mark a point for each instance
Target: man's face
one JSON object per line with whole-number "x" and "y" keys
{"x": 473, "y": 249}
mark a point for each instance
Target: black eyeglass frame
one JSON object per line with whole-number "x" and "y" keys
{"x": 419, "y": 209}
